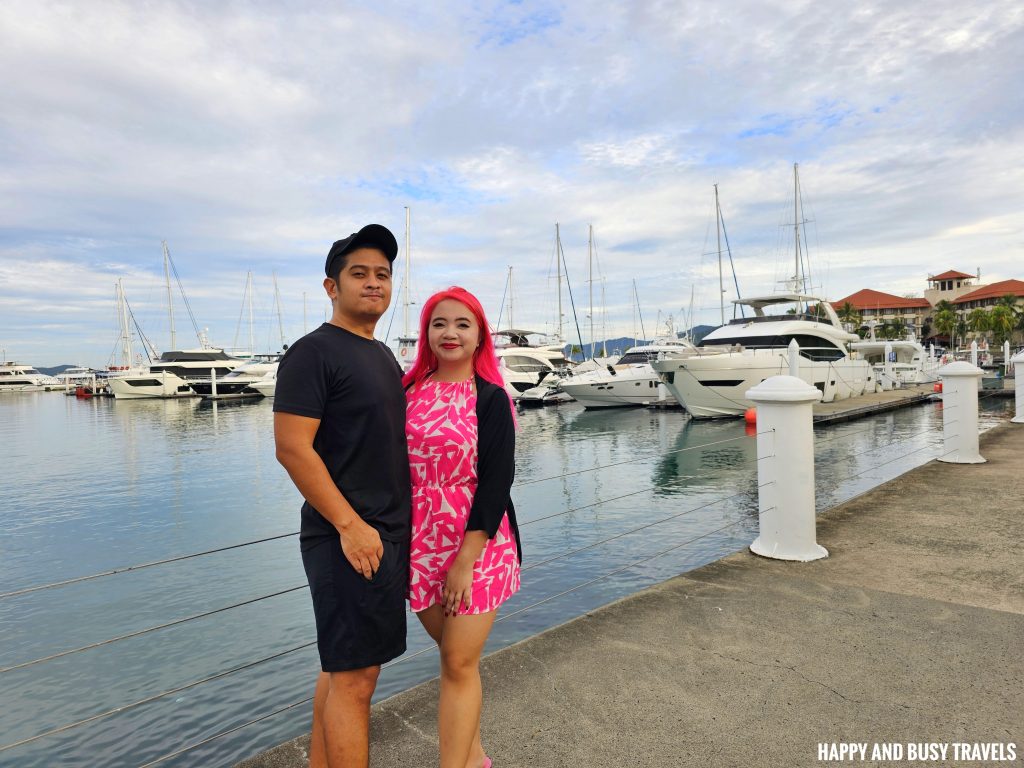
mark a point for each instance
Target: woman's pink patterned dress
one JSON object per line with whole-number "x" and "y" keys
{"x": 441, "y": 429}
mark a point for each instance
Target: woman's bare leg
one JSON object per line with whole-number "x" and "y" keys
{"x": 462, "y": 643}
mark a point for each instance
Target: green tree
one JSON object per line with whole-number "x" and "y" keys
{"x": 979, "y": 321}
{"x": 1001, "y": 320}
{"x": 849, "y": 315}
{"x": 891, "y": 329}
{"x": 945, "y": 320}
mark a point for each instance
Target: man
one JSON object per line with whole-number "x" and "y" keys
{"x": 339, "y": 425}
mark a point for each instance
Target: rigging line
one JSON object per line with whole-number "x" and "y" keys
{"x": 635, "y": 530}
{"x": 184, "y": 297}
{"x": 208, "y": 739}
{"x": 154, "y": 697}
{"x": 391, "y": 320}
{"x": 501, "y": 309}
{"x": 732, "y": 266}
{"x": 147, "y": 630}
{"x": 629, "y": 461}
{"x": 126, "y": 569}
{"x": 572, "y": 301}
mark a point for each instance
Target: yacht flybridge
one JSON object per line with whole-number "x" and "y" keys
{"x": 176, "y": 374}
{"x": 711, "y": 381}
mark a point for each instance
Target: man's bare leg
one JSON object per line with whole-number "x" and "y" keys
{"x": 317, "y": 747}
{"x": 346, "y": 717}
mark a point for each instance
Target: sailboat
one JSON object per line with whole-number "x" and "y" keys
{"x": 712, "y": 381}
{"x": 177, "y": 370}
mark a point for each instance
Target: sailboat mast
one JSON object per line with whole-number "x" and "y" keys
{"x": 558, "y": 261}
{"x": 170, "y": 304}
{"x": 511, "y": 293}
{"x": 633, "y": 308}
{"x": 248, "y": 293}
{"x": 405, "y": 282}
{"x": 277, "y": 302}
{"x": 590, "y": 273}
{"x": 721, "y": 281}
{"x": 122, "y": 316}
{"x": 796, "y": 227}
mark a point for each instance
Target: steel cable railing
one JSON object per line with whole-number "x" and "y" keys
{"x": 405, "y": 659}
{"x": 179, "y": 558}
{"x": 249, "y": 665}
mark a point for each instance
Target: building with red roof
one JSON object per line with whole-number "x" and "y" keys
{"x": 950, "y": 285}
{"x": 988, "y": 295}
{"x": 878, "y": 308}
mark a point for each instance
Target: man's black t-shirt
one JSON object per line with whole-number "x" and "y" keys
{"x": 354, "y": 386}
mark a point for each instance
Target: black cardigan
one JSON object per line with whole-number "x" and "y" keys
{"x": 495, "y": 463}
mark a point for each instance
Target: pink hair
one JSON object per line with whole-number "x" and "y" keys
{"x": 485, "y": 361}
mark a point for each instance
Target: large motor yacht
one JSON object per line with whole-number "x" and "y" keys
{"x": 18, "y": 377}
{"x": 630, "y": 382}
{"x": 175, "y": 374}
{"x": 240, "y": 381}
{"x": 712, "y": 380}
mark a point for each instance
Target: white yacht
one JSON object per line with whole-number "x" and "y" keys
{"x": 522, "y": 363}
{"x": 712, "y": 380}
{"x": 630, "y": 382}
{"x": 72, "y": 377}
{"x": 908, "y": 361}
{"x": 18, "y": 377}
{"x": 240, "y": 381}
{"x": 267, "y": 385}
{"x": 174, "y": 374}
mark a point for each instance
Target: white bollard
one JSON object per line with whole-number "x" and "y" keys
{"x": 1018, "y": 389}
{"x": 960, "y": 413}
{"x": 974, "y": 353}
{"x": 1007, "y": 365}
{"x": 794, "y": 358}
{"x": 785, "y": 469}
{"x": 213, "y": 382}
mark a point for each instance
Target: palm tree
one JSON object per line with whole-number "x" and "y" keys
{"x": 849, "y": 315}
{"x": 890, "y": 329}
{"x": 960, "y": 328}
{"x": 1001, "y": 320}
{"x": 978, "y": 320}
{"x": 945, "y": 321}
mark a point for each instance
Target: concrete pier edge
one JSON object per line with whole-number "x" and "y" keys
{"x": 909, "y": 632}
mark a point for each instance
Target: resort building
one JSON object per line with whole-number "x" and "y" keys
{"x": 950, "y": 286}
{"x": 988, "y": 296}
{"x": 881, "y": 308}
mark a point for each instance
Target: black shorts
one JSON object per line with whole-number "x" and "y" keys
{"x": 359, "y": 622}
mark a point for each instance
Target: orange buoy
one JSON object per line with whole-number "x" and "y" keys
{"x": 750, "y": 416}
{"x": 937, "y": 388}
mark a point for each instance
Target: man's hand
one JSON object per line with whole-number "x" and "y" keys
{"x": 360, "y": 543}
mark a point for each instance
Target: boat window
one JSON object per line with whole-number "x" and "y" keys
{"x": 632, "y": 358}
{"x": 524, "y": 364}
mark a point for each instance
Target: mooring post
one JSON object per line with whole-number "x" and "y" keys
{"x": 960, "y": 413}
{"x": 785, "y": 469}
{"x": 1018, "y": 389}
{"x": 213, "y": 382}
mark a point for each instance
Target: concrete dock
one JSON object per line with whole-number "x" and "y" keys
{"x": 910, "y": 632}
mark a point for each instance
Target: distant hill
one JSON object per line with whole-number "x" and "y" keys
{"x": 55, "y": 369}
{"x": 619, "y": 345}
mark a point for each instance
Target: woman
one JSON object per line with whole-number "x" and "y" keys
{"x": 464, "y": 559}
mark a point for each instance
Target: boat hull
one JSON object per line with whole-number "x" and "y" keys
{"x": 715, "y": 386}
{"x": 150, "y": 386}
{"x": 633, "y": 387}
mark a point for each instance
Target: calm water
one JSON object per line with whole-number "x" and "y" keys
{"x": 609, "y": 503}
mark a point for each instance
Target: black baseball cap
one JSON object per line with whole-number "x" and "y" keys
{"x": 370, "y": 236}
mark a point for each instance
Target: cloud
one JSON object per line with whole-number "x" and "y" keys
{"x": 249, "y": 136}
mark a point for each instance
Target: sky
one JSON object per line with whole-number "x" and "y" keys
{"x": 249, "y": 136}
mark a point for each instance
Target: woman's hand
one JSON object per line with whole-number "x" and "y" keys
{"x": 458, "y": 586}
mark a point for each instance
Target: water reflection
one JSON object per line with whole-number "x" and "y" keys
{"x": 98, "y": 484}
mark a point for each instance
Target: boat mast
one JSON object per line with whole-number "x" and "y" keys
{"x": 122, "y": 316}
{"x": 304, "y": 324}
{"x": 248, "y": 291}
{"x": 277, "y": 301}
{"x": 721, "y": 281}
{"x": 796, "y": 229}
{"x": 167, "y": 280}
{"x": 590, "y": 279}
{"x": 405, "y": 282}
{"x": 558, "y": 261}
{"x": 511, "y": 324}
